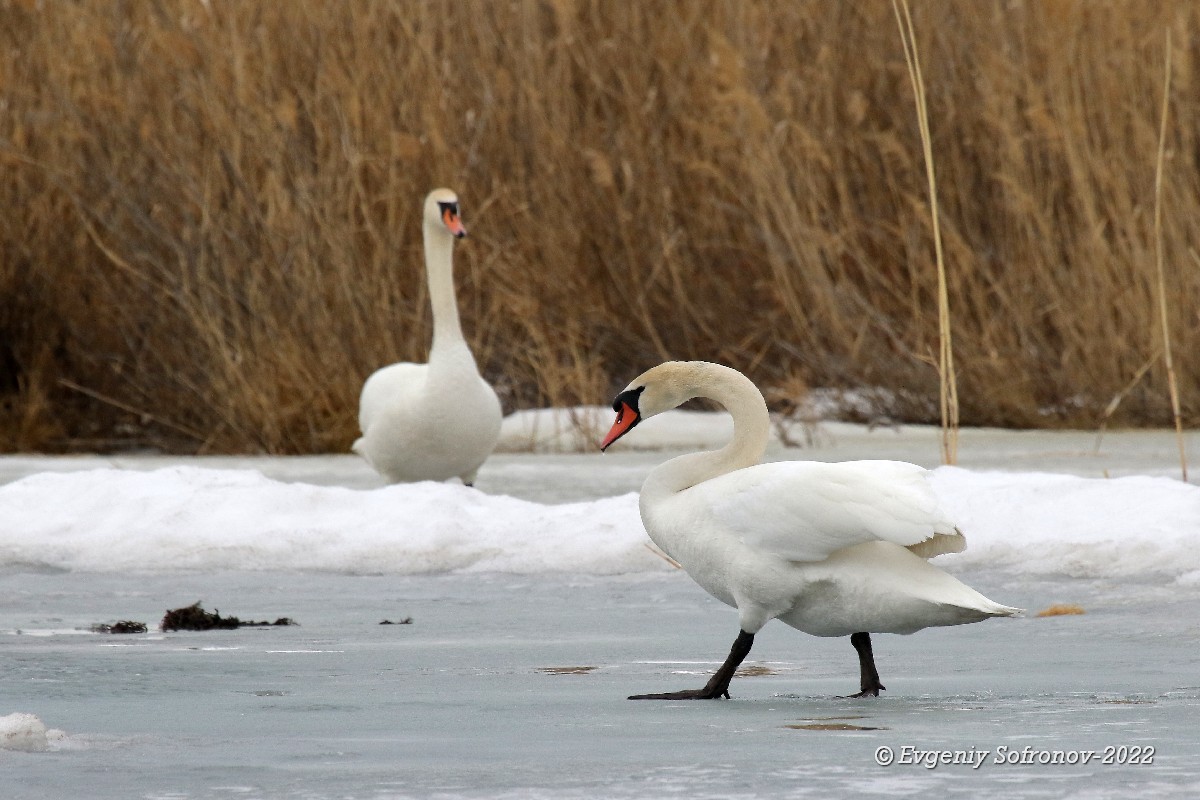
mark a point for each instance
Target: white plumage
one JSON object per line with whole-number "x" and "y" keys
{"x": 819, "y": 508}
{"x": 437, "y": 420}
{"x": 830, "y": 549}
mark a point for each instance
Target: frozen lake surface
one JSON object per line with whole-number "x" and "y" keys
{"x": 514, "y": 687}
{"x": 513, "y": 684}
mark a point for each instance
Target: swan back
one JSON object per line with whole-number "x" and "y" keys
{"x": 808, "y": 510}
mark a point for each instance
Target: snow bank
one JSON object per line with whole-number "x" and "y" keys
{"x": 1087, "y": 527}
{"x": 189, "y": 518}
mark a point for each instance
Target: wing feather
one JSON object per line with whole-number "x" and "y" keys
{"x": 389, "y": 387}
{"x": 807, "y": 510}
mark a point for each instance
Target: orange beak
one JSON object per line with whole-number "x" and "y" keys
{"x": 453, "y": 224}
{"x": 626, "y": 419}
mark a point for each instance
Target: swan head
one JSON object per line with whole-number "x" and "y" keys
{"x": 656, "y": 390}
{"x": 441, "y": 213}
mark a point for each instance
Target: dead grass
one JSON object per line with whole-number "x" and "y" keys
{"x": 1061, "y": 610}
{"x": 211, "y": 227}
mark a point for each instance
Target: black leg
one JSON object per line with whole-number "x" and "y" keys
{"x": 717, "y": 686}
{"x": 868, "y": 677}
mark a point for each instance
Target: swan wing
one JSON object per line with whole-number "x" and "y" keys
{"x": 389, "y": 387}
{"x": 808, "y": 510}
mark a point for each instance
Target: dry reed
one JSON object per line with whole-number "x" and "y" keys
{"x": 1160, "y": 278}
{"x": 947, "y": 381}
{"x": 211, "y": 227}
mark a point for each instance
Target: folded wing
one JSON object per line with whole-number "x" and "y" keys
{"x": 807, "y": 510}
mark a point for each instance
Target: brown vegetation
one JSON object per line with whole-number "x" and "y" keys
{"x": 195, "y": 618}
{"x": 211, "y": 228}
{"x": 1061, "y": 610}
{"x": 123, "y": 626}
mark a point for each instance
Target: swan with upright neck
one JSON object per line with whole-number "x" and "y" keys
{"x": 831, "y": 549}
{"x": 441, "y": 419}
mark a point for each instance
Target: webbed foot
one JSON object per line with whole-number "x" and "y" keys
{"x": 686, "y": 694}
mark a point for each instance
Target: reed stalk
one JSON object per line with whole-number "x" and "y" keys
{"x": 1160, "y": 272}
{"x": 947, "y": 380}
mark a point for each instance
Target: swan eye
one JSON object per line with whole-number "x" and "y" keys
{"x": 629, "y": 398}
{"x": 451, "y": 219}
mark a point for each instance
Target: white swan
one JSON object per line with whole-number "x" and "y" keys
{"x": 830, "y": 549}
{"x": 438, "y": 420}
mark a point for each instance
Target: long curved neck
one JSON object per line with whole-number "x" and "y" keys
{"x": 751, "y": 431}
{"x": 439, "y": 269}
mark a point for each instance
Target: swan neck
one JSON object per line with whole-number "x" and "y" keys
{"x": 751, "y": 432}
{"x": 439, "y": 269}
